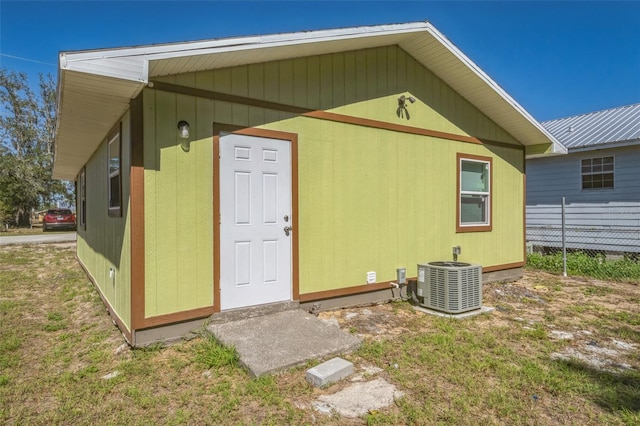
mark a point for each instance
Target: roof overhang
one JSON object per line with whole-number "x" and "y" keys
{"x": 604, "y": 145}
{"x": 96, "y": 87}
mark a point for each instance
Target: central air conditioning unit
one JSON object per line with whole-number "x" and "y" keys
{"x": 452, "y": 287}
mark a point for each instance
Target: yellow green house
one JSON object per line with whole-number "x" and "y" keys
{"x": 300, "y": 168}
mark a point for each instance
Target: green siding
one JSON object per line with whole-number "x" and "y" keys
{"x": 374, "y": 200}
{"x": 369, "y": 199}
{"x": 106, "y": 241}
{"x": 364, "y": 83}
{"x": 539, "y": 149}
{"x": 178, "y": 205}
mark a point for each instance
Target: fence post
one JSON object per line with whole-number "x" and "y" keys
{"x": 564, "y": 247}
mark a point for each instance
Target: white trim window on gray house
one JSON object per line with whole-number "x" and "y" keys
{"x": 597, "y": 172}
{"x": 599, "y": 179}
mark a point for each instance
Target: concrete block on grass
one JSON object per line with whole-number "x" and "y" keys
{"x": 328, "y": 372}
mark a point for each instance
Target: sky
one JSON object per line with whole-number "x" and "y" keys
{"x": 555, "y": 58}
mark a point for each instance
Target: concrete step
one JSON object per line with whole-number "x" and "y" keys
{"x": 279, "y": 341}
{"x": 252, "y": 312}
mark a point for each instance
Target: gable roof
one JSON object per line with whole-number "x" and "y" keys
{"x": 613, "y": 127}
{"x": 95, "y": 87}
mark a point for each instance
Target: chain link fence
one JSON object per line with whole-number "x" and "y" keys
{"x": 596, "y": 240}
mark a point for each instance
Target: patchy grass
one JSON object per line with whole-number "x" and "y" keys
{"x": 582, "y": 264}
{"x": 454, "y": 373}
{"x": 57, "y": 345}
{"x": 211, "y": 354}
{"x": 555, "y": 351}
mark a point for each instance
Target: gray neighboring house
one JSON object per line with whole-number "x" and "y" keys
{"x": 599, "y": 179}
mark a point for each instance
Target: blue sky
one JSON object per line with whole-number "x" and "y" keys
{"x": 554, "y": 58}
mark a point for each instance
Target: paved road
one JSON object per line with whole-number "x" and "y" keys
{"x": 54, "y": 237}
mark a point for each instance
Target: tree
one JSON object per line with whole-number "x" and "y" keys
{"x": 27, "y": 126}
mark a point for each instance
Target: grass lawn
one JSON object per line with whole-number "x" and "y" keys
{"x": 12, "y": 232}
{"x": 555, "y": 351}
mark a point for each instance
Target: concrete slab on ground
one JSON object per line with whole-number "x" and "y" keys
{"x": 282, "y": 340}
{"x": 359, "y": 398}
{"x": 468, "y": 314}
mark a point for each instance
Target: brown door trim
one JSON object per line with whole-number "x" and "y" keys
{"x": 265, "y": 133}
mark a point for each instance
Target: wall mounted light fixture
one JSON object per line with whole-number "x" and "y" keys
{"x": 183, "y": 133}
{"x": 402, "y": 106}
{"x": 183, "y": 126}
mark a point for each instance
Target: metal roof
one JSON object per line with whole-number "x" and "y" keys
{"x": 95, "y": 87}
{"x": 611, "y": 127}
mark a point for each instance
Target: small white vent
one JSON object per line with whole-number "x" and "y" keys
{"x": 452, "y": 287}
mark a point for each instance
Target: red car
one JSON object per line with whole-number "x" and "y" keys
{"x": 58, "y": 219}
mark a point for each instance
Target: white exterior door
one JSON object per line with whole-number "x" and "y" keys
{"x": 255, "y": 209}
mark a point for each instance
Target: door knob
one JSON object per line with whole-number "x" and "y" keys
{"x": 287, "y": 229}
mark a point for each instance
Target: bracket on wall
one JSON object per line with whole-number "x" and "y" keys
{"x": 402, "y": 106}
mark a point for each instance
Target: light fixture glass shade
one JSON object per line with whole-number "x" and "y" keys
{"x": 183, "y": 126}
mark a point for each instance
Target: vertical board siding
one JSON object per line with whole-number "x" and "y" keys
{"x": 187, "y": 199}
{"x": 365, "y": 207}
{"x": 342, "y": 82}
{"x": 151, "y": 244}
{"x": 166, "y": 210}
{"x": 203, "y": 186}
{"x": 293, "y": 91}
{"x": 106, "y": 242}
{"x": 178, "y": 203}
{"x": 369, "y": 199}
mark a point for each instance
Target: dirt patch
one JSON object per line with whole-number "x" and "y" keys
{"x": 583, "y": 313}
{"x": 373, "y": 322}
{"x": 554, "y": 351}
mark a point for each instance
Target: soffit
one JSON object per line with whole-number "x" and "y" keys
{"x": 88, "y": 108}
{"x": 95, "y": 87}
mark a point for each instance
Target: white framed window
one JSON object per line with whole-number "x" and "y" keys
{"x": 114, "y": 148}
{"x": 597, "y": 173}
{"x": 474, "y": 193}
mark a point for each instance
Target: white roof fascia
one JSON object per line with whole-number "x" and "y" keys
{"x": 355, "y": 31}
{"x": 123, "y": 52}
{"x": 266, "y": 43}
{"x": 131, "y": 63}
{"x": 128, "y": 68}
{"x": 558, "y": 148}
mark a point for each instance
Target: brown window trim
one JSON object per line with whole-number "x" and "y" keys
{"x": 473, "y": 228}
{"x": 115, "y": 211}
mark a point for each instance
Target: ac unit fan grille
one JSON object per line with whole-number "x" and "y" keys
{"x": 451, "y": 288}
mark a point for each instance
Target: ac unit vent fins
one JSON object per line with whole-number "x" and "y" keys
{"x": 452, "y": 287}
